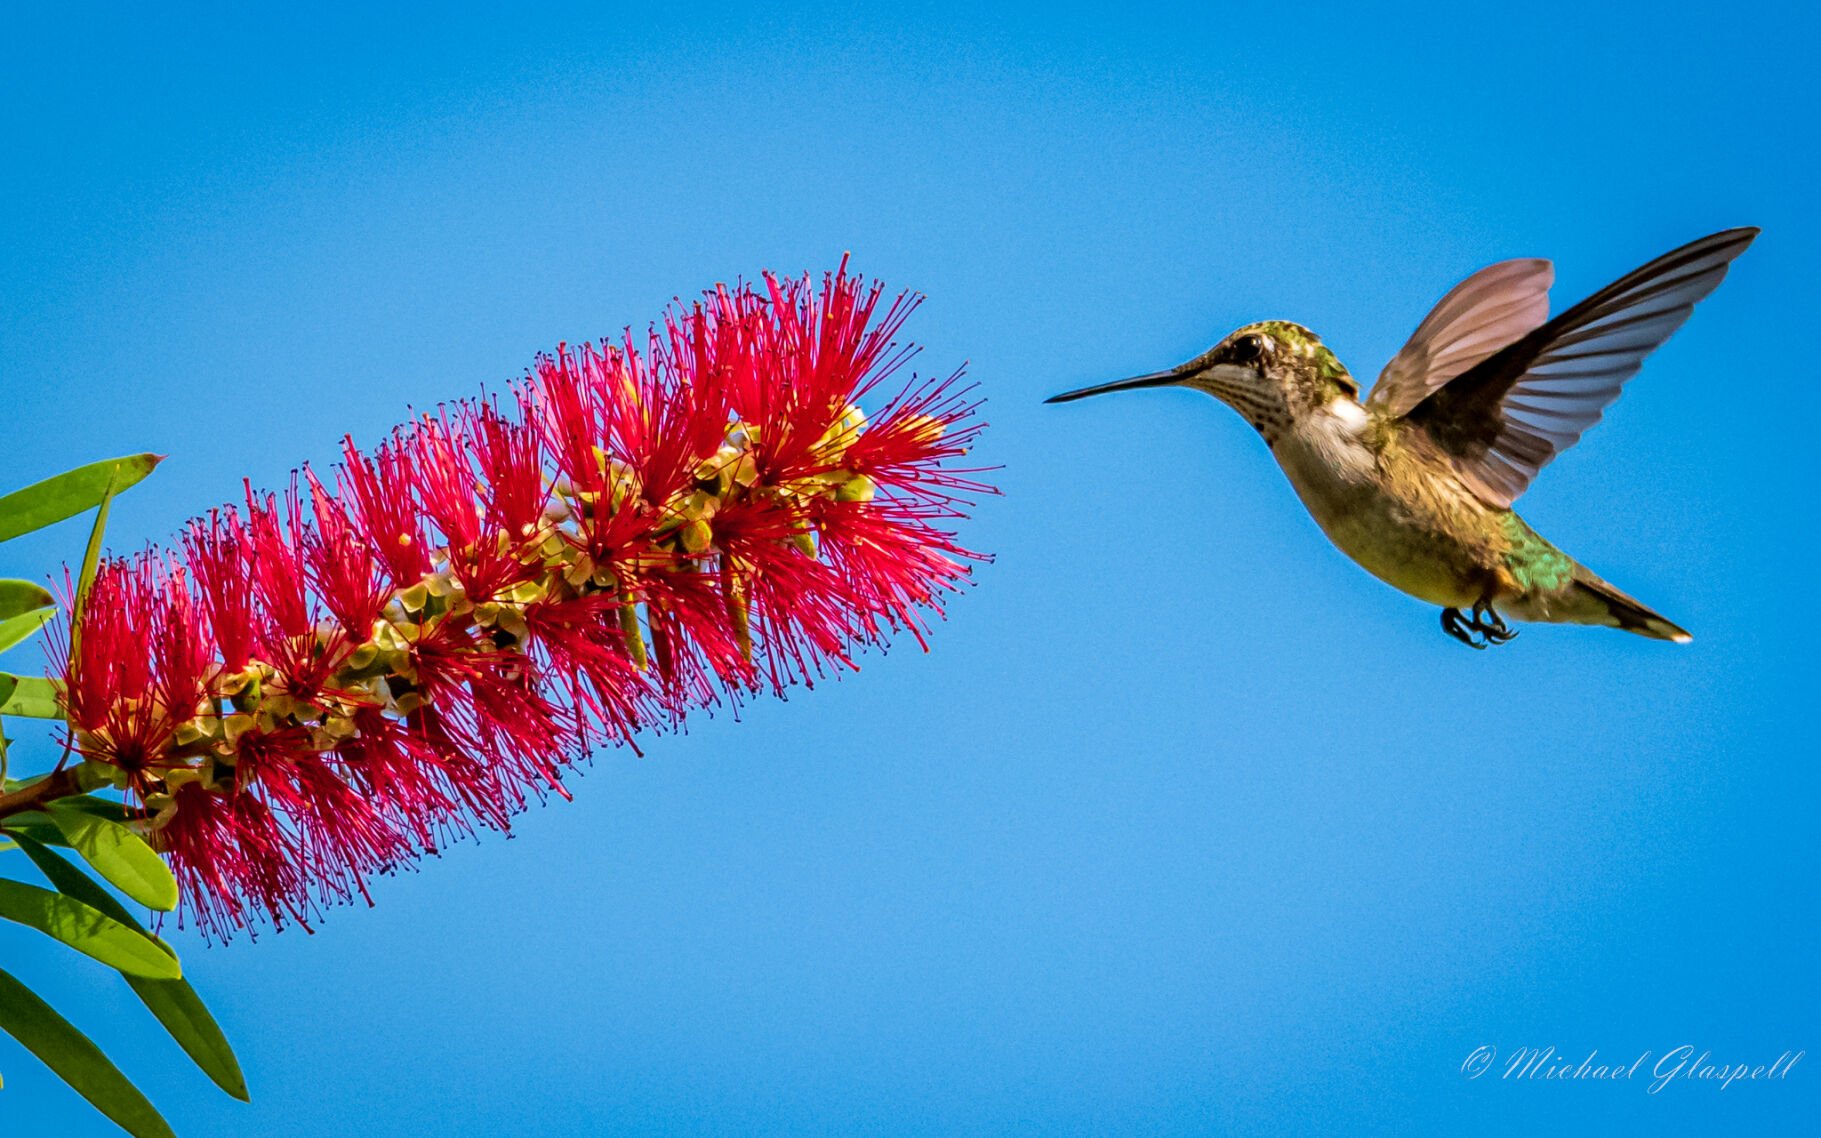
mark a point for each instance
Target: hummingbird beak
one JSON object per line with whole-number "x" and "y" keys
{"x": 1155, "y": 379}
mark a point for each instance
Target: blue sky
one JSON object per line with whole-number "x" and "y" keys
{"x": 1184, "y": 824}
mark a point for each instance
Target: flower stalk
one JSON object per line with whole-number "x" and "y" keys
{"x": 319, "y": 686}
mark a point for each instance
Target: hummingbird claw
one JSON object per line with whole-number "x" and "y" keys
{"x": 1457, "y": 626}
{"x": 1481, "y": 630}
{"x": 1491, "y": 625}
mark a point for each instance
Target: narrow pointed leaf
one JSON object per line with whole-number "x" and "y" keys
{"x": 24, "y": 626}
{"x": 35, "y": 826}
{"x": 91, "y": 561}
{"x": 87, "y": 930}
{"x": 68, "y": 494}
{"x": 109, "y": 808}
{"x": 76, "y": 1060}
{"x": 174, "y": 1002}
{"x": 23, "y": 596}
{"x": 40, "y": 826}
{"x": 118, "y": 855}
{"x": 33, "y": 697}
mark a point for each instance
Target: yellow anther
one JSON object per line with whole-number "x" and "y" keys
{"x": 193, "y": 731}
{"x": 236, "y": 725}
{"x": 389, "y": 637}
{"x": 844, "y": 432}
{"x": 248, "y": 689}
{"x": 697, "y": 536}
{"x": 859, "y": 488}
{"x": 512, "y": 622}
{"x": 622, "y": 484}
{"x": 580, "y": 570}
{"x": 714, "y": 470}
{"x": 182, "y": 776}
{"x": 441, "y": 585}
{"x": 340, "y": 727}
{"x": 924, "y": 428}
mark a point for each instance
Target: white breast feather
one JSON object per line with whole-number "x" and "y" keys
{"x": 1331, "y": 443}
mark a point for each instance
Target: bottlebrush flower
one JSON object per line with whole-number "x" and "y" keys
{"x": 320, "y": 685}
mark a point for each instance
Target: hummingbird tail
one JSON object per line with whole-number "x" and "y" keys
{"x": 1627, "y": 614}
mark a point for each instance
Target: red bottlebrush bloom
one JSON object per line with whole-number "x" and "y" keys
{"x": 319, "y": 687}
{"x": 138, "y": 671}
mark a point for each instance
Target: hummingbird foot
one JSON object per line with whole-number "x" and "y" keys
{"x": 1480, "y": 630}
{"x": 1455, "y": 624}
{"x": 1490, "y": 624}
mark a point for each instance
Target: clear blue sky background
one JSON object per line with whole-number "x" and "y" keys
{"x": 1184, "y": 825}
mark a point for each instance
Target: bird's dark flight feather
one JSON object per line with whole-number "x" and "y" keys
{"x": 1510, "y": 414}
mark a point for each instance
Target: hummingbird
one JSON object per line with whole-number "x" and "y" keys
{"x": 1416, "y": 482}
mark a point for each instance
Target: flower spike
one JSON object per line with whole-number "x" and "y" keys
{"x": 322, "y": 685}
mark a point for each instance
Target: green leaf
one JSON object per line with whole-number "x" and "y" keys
{"x": 33, "y": 697}
{"x": 174, "y": 1002}
{"x": 36, "y": 826}
{"x": 24, "y": 626}
{"x": 23, "y": 596}
{"x": 91, "y": 560}
{"x": 87, "y": 930}
{"x": 119, "y": 855}
{"x": 70, "y": 493}
{"x": 109, "y": 808}
{"x": 76, "y": 1060}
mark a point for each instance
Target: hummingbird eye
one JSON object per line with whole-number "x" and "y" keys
{"x": 1246, "y": 350}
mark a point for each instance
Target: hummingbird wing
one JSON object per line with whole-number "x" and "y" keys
{"x": 1479, "y": 316}
{"x": 1509, "y": 415}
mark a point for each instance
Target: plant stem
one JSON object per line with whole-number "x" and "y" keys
{"x": 58, "y": 784}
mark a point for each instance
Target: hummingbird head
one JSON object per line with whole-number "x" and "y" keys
{"x": 1272, "y": 372}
